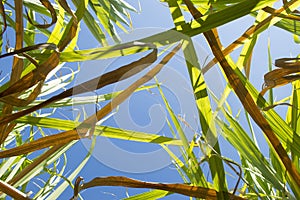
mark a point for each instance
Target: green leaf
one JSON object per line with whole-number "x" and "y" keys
{"x": 104, "y": 131}
{"x": 151, "y": 195}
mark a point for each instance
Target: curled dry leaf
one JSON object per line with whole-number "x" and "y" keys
{"x": 49, "y": 6}
{"x": 279, "y": 104}
{"x": 287, "y": 72}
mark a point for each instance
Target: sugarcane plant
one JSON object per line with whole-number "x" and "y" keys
{"x": 46, "y": 35}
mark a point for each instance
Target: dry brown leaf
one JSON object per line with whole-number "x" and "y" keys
{"x": 247, "y": 34}
{"x": 125, "y": 94}
{"x": 247, "y": 101}
{"x": 84, "y": 129}
{"x": 49, "y": 46}
{"x": 12, "y": 192}
{"x": 15, "y": 101}
{"x": 73, "y": 29}
{"x": 66, "y": 7}
{"x": 49, "y": 6}
{"x": 34, "y": 163}
{"x": 33, "y": 77}
{"x": 287, "y": 72}
{"x": 111, "y": 77}
{"x": 17, "y": 66}
{"x": 289, "y": 16}
{"x": 184, "y": 189}
{"x": 40, "y": 73}
{"x": 2, "y": 12}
